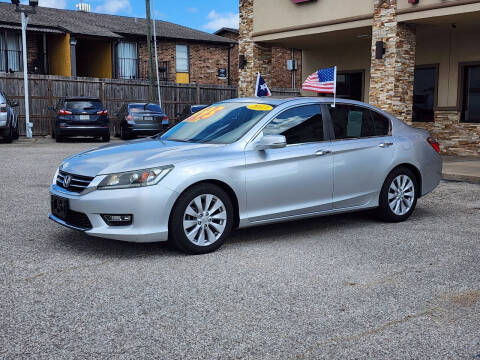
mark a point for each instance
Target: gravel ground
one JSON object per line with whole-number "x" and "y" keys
{"x": 346, "y": 287}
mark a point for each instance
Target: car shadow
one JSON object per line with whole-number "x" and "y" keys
{"x": 81, "y": 243}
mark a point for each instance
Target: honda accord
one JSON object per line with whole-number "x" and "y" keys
{"x": 246, "y": 162}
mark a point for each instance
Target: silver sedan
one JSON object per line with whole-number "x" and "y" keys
{"x": 246, "y": 162}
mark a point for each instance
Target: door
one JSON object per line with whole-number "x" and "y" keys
{"x": 294, "y": 180}
{"x": 363, "y": 152}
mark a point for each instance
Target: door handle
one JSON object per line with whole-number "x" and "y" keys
{"x": 322, "y": 152}
{"x": 385, "y": 144}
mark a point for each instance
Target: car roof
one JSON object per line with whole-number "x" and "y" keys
{"x": 276, "y": 101}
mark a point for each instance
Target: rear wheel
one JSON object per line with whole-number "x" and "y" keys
{"x": 9, "y": 136}
{"x": 124, "y": 135}
{"x": 16, "y": 133}
{"x": 201, "y": 219}
{"x": 106, "y": 138}
{"x": 398, "y": 197}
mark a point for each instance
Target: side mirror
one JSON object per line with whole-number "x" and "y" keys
{"x": 271, "y": 142}
{"x": 15, "y": 104}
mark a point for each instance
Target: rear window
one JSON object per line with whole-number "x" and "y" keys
{"x": 135, "y": 108}
{"x": 83, "y": 105}
{"x": 154, "y": 108}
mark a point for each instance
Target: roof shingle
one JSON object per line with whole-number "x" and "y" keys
{"x": 102, "y": 25}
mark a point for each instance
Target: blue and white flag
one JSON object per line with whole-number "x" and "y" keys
{"x": 262, "y": 89}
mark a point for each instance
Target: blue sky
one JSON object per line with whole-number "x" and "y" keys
{"x": 206, "y": 15}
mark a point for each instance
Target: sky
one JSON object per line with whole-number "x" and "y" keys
{"x": 205, "y": 15}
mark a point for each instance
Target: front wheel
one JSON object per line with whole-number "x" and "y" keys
{"x": 398, "y": 197}
{"x": 201, "y": 219}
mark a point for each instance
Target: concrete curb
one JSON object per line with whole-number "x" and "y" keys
{"x": 461, "y": 177}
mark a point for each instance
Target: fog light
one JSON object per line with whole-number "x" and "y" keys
{"x": 118, "y": 220}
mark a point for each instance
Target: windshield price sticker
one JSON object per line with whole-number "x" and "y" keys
{"x": 205, "y": 113}
{"x": 260, "y": 107}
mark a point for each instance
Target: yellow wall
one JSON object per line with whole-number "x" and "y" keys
{"x": 183, "y": 78}
{"x": 94, "y": 58}
{"x": 59, "y": 62}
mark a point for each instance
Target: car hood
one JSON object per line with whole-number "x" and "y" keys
{"x": 134, "y": 155}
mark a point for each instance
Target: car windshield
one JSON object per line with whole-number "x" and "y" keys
{"x": 222, "y": 123}
{"x": 83, "y": 105}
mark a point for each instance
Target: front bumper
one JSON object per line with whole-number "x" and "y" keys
{"x": 150, "y": 207}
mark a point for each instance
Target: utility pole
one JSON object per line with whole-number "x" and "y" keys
{"x": 151, "y": 85}
{"x": 156, "y": 57}
{"x": 24, "y": 14}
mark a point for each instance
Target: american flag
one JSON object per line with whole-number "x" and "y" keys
{"x": 322, "y": 81}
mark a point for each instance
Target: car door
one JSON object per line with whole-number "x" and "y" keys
{"x": 363, "y": 152}
{"x": 296, "y": 179}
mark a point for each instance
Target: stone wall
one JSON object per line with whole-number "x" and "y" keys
{"x": 455, "y": 137}
{"x": 391, "y": 82}
{"x": 258, "y": 56}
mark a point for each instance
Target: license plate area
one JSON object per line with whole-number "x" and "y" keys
{"x": 148, "y": 118}
{"x": 84, "y": 117}
{"x": 59, "y": 207}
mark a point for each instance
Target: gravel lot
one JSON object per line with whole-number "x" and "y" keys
{"x": 347, "y": 287}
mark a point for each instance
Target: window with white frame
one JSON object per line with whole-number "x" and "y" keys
{"x": 10, "y": 51}
{"x": 182, "y": 59}
{"x": 127, "y": 57}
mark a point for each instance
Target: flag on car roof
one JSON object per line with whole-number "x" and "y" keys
{"x": 262, "y": 89}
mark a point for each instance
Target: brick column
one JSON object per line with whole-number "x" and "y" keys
{"x": 258, "y": 56}
{"x": 391, "y": 84}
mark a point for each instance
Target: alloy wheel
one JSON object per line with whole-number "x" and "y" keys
{"x": 401, "y": 195}
{"x": 204, "y": 220}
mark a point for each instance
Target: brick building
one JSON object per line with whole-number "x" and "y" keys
{"x": 417, "y": 59}
{"x": 85, "y": 44}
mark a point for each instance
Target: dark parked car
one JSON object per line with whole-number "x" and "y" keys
{"x": 140, "y": 119}
{"x": 188, "y": 111}
{"x": 81, "y": 116}
{"x": 8, "y": 118}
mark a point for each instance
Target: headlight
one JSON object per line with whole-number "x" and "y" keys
{"x": 132, "y": 179}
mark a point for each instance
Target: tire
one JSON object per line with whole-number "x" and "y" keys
{"x": 8, "y": 139}
{"x": 217, "y": 225}
{"x": 58, "y": 139}
{"x": 106, "y": 138}
{"x": 53, "y": 133}
{"x": 402, "y": 203}
{"x": 124, "y": 135}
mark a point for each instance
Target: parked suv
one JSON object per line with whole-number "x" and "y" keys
{"x": 8, "y": 118}
{"x": 81, "y": 116}
{"x": 140, "y": 119}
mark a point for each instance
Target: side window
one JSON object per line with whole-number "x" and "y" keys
{"x": 350, "y": 122}
{"x": 299, "y": 125}
{"x": 381, "y": 123}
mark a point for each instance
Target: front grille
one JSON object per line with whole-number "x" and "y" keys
{"x": 77, "y": 219}
{"x": 78, "y": 183}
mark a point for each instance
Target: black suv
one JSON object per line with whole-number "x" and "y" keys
{"x": 80, "y": 116}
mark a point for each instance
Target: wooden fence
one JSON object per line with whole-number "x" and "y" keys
{"x": 46, "y": 90}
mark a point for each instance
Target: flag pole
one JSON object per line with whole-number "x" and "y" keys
{"x": 335, "y": 87}
{"x": 256, "y": 86}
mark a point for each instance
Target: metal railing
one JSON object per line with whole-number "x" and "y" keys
{"x": 11, "y": 60}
